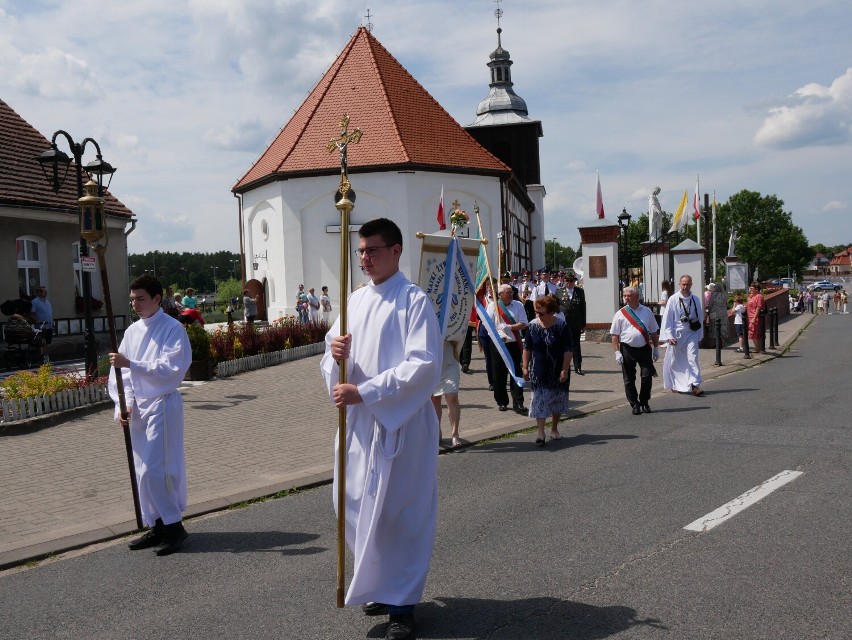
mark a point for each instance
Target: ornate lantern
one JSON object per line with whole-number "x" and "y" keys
{"x": 92, "y": 220}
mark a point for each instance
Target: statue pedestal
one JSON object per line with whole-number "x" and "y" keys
{"x": 655, "y": 268}
{"x": 736, "y": 274}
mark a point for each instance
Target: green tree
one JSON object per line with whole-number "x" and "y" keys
{"x": 767, "y": 239}
{"x": 230, "y": 288}
{"x": 563, "y": 257}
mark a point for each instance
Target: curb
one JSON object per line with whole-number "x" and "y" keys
{"x": 40, "y": 551}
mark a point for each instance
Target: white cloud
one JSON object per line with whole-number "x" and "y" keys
{"x": 834, "y": 205}
{"x": 245, "y": 135}
{"x": 814, "y": 115}
{"x": 54, "y": 74}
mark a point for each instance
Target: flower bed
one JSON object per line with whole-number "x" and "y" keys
{"x": 241, "y": 341}
{"x": 28, "y": 394}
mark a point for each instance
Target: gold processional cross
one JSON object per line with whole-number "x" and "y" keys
{"x": 341, "y": 143}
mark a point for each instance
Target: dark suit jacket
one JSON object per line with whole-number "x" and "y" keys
{"x": 574, "y": 308}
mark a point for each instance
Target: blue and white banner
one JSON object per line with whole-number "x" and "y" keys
{"x": 453, "y": 297}
{"x": 445, "y": 267}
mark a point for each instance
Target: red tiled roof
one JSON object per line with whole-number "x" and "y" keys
{"x": 22, "y": 182}
{"x": 403, "y": 125}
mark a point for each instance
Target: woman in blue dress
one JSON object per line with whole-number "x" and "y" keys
{"x": 546, "y": 363}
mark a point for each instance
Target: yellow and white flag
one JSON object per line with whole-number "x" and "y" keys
{"x": 679, "y": 220}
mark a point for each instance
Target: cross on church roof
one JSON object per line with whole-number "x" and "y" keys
{"x": 498, "y": 12}
{"x": 369, "y": 24}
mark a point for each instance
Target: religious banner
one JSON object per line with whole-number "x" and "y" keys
{"x": 447, "y": 265}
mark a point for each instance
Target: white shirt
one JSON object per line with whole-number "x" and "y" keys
{"x": 543, "y": 289}
{"x": 630, "y": 335}
{"x": 516, "y": 309}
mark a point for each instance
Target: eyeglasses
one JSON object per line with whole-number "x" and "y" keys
{"x": 371, "y": 251}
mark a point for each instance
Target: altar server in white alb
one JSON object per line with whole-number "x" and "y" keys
{"x": 154, "y": 357}
{"x": 393, "y": 358}
{"x": 681, "y": 331}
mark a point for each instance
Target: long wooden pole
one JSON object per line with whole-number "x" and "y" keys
{"x": 119, "y": 385}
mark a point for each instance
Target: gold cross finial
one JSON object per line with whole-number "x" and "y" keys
{"x": 341, "y": 143}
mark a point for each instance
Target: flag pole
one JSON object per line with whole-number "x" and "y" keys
{"x": 487, "y": 261}
{"x": 713, "y": 215}
{"x": 344, "y": 202}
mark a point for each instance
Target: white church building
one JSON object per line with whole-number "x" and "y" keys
{"x": 411, "y": 148}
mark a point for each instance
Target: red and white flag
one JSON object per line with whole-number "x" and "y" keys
{"x": 696, "y": 202}
{"x": 442, "y": 223}
{"x": 599, "y": 200}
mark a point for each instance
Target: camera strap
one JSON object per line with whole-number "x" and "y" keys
{"x": 686, "y": 310}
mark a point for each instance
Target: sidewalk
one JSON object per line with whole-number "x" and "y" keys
{"x": 251, "y": 435}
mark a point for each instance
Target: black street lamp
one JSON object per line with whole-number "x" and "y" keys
{"x": 623, "y": 221}
{"x": 53, "y": 163}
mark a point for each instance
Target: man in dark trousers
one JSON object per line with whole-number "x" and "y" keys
{"x": 572, "y": 304}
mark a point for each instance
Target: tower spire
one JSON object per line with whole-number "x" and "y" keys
{"x": 502, "y": 105}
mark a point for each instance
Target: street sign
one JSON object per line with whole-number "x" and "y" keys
{"x": 87, "y": 263}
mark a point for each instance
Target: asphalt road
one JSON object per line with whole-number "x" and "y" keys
{"x": 582, "y": 540}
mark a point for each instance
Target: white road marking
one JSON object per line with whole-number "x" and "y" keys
{"x": 717, "y": 517}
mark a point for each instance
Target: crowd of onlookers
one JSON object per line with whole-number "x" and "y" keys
{"x": 820, "y": 302}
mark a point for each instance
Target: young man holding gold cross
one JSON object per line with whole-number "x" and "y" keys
{"x": 392, "y": 354}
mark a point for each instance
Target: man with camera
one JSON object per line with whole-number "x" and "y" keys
{"x": 681, "y": 331}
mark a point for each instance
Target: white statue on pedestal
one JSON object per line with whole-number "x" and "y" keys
{"x": 655, "y": 216}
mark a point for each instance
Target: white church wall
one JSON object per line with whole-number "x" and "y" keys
{"x": 536, "y": 193}
{"x": 302, "y": 238}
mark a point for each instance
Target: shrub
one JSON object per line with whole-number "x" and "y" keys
{"x": 199, "y": 341}
{"x": 29, "y": 384}
{"x": 239, "y": 341}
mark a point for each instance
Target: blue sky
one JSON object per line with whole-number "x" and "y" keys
{"x": 184, "y": 96}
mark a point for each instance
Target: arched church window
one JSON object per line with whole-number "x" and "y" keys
{"x": 499, "y": 74}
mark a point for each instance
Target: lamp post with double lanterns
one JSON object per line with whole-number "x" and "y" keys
{"x": 55, "y": 164}
{"x": 623, "y": 222}
{"x": 93, "y": 229}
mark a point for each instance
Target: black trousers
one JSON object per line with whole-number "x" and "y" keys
{"x": 500, "y": 372}
{"x": 576, "y": 354}
{"x": 467, "y": 348}
{"x": 641, "y": 356}
{"x": 485, "y": 343}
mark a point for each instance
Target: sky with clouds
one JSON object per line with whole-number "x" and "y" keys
{"x": 183, "y": 96}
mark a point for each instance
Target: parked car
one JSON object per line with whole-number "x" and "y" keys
{"x": 824, "y": 285}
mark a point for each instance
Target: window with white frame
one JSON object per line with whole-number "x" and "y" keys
{"x": 32, "y": 264}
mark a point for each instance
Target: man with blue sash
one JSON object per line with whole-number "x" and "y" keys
{"x": 635, "y": 339}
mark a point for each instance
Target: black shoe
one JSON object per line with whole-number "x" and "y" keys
{"x": 503, "y": 407}
{"x": 174, "y": 535}
{"x": 636, "y": 410}
{"x": 465, "y": 369}
{"x": 401, "y": 627}
{"x": 645, "y": 408}
{"x": 150, "y": 538}
{"x": 374, "y": 609}
{"x": 579, "y": 372}
{"x": 521, "y": 410}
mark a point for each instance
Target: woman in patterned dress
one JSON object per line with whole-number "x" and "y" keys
{"x": 546, "y": 363}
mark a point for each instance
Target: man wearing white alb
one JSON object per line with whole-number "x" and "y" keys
{"x": 393, "y": 359}
{"x": 681, "y": 332}
{"x": 635, "y": 337}
{"x": 154, "y": 356}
